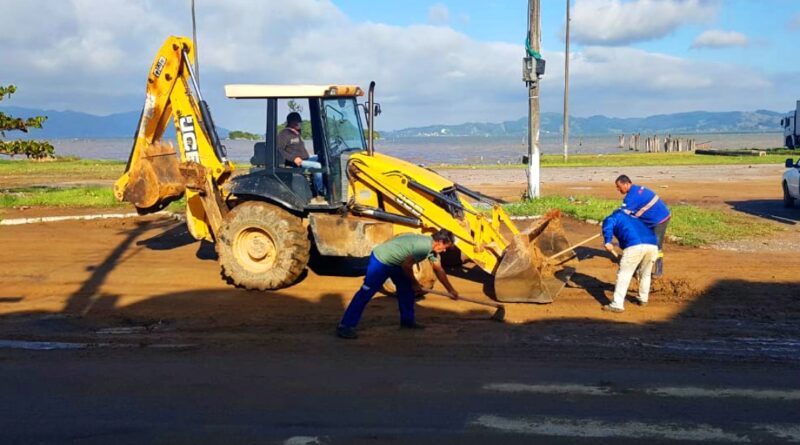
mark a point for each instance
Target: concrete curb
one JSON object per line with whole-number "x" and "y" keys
{"x": 47, "y": 219}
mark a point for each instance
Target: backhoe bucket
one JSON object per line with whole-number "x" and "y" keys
{"x": 154, "y": 180}
{"x": 525, "y": 275}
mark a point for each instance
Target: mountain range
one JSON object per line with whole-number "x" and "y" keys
{"x": 73, "y": 124}
{"x": 551, "y": 123}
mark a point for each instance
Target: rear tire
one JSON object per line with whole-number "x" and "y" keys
{"x": 262, "y": 247}
{"x": 788, "y": 201}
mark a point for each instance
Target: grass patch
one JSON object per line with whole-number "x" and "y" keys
{"x": 583, "y": 207}
{"x": 74, "y": 168}
{"x": 59, "y": 197}
{"x": 693, "y": 226}
{"x": 634, "y": 160}
{"x": 85, "y": 197}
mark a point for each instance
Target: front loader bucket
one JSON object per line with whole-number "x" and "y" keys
{"x": 525, "y": 275}
{"x": 154, "y": 180}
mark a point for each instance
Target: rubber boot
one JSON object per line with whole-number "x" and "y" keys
{"x": 658, "y": 270}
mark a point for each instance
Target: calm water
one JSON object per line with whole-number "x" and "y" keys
{"x": 435, "y": 150}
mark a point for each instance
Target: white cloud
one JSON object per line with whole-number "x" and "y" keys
{"x": 438, "y": 14}
{"x": 614, "y": 22}
{"x": 94, "y": 56}
{"x": 632, "y": 82}
{"x": 794, "y": 23}
{"x": 424, "y": 72}
{"x": 715, "y": 38}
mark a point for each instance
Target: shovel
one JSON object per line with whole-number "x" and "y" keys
{"x": 499, "y": 314}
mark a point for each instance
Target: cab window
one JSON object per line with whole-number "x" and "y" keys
{"x": 343, "y": 128}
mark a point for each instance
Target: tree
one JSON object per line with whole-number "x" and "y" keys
{"x": 31, "y": 149}
{"x": 375, "y": 135}
{"x": 294, "y": 106}
{"x": 238, "y": 134}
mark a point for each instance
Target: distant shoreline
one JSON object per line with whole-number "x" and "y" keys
{"x": 443, "y": 150}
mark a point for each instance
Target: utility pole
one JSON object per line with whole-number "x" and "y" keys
{"x": 532, "y": 70}
{"x": 566, "y": 90}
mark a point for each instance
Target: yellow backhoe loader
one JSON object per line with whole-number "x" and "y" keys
{"x": 264, "y": 221}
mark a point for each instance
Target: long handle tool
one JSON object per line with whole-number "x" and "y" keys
{"x": 499, "y": 314}
{"x": 550, "y": 258}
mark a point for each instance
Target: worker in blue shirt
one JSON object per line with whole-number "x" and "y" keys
{"x": 643, "y": 203}
{"x": 639, "y": 251}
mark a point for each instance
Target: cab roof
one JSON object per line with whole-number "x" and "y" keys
{"x": 251, "y": 91}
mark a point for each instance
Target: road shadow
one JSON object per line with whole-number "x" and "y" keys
{"x": 176, "y": 235}
{"x": 11, "y": 299}
{"x": 771, "y": 209}
{"x": 81, "y": 301}
{"x": 327, "y": 266}
{"x": 586, "y": 253}
{"x": 757, "y": 320}
{"x": 596, "y": 288}
{"x": 471, "y": 272}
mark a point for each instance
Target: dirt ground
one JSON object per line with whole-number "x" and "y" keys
{"x": 146, "y": 280}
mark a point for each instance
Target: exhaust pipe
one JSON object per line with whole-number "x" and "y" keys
{"x": 370, "y": 118}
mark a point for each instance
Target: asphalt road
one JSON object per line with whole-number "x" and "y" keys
{"x": 351, "y": 394}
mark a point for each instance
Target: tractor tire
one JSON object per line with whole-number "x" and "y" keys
{"x": 262, "y": 247}
{"x": 788, "y": 201}
{"x": 423, "y": 272}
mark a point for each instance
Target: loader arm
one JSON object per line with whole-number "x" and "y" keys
{"x": 420, "y": 199}
{"x": 156, "y": 173}
{"x": 418, "y": 193}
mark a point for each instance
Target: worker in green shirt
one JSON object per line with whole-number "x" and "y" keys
{"x": 395, "y": 259}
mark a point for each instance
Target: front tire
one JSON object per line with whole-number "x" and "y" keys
{"x": 262, "y": 247}
{"x": 788, "y": 201}
{"x": 423, "y": 272}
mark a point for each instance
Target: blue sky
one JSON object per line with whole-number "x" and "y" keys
{"x": 435, "y": 61}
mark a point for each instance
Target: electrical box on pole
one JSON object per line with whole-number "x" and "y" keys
{"x": 532, "y": 71}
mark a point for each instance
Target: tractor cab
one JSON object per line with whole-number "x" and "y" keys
{"x": 331, "y": 130}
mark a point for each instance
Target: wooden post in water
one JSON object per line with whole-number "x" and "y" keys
{"x": 621, "y": 142}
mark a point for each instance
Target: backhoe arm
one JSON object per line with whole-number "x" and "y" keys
{"x": 157, "y": 174}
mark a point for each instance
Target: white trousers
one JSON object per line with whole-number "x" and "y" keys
{"x": 641, "y": 256}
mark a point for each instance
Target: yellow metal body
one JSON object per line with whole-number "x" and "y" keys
{"x": 169, "y": 95}
{"x": 478, "y": 235}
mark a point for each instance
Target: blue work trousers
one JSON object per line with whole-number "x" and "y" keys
{"x": 377, "y": 273}
{"x": 319, "y": 185}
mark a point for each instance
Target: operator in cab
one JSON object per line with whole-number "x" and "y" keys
{"x": 293, "y": 151}
{"x": 395, "y": 259}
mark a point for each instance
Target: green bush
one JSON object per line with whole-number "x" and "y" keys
{"x": 31, "y": 149}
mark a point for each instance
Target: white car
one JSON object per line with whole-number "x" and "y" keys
{"x": 791, "y": 183}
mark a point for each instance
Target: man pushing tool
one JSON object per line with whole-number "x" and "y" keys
{"x": 395, "y": 259}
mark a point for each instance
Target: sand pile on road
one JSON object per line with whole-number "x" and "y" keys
{"x": 673, "y": 290}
